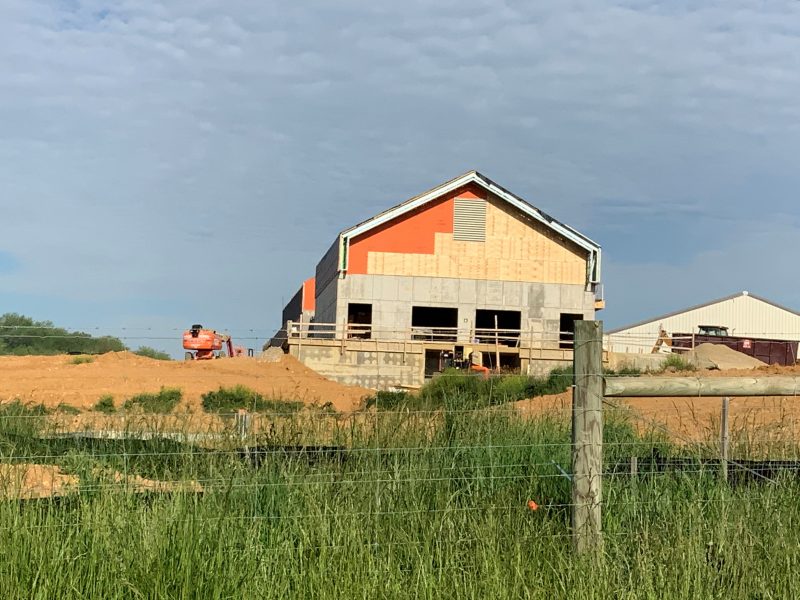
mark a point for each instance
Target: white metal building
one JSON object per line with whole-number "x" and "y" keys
{"x": 744, "y": 314}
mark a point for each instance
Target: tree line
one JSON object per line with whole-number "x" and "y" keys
{"x": 21, "y": 336}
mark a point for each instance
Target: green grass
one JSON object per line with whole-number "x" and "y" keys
{"x": 149, "y": 352}
{"x": 161, "y": 402}
{"x": 624, "y": 371}
{"x": 105, "y": 405}
{"x": 18, "y": 418}
{"x": 82, "y": 359}
{"x": 419, "y": 506}
{"x": 676, "y": 362}
{"x": 470, "y": 390}
{"x": 229, "y": 400}
{"x": 16, "y": 410}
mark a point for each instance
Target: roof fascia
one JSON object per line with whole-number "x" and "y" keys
{"x": 473, "y": 177}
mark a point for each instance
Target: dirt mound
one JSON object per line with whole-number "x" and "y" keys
{"x": 142, "y": 484}
{"x": 717, "y": 356}
{"x": 27, "y": 481}
{"x": 555, "y": 403}
{"x": 54, "y": 380}
{"x": 115, "y": 357}
{"x": 689, "y": 420}
{"x": 272, "y": 355}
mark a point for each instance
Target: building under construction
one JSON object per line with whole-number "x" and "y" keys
{"x": 466, "y": 273}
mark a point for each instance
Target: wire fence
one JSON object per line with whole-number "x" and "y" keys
{"x": 450, "y": 485}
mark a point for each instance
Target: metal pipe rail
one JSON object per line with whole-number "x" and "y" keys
{"x": 642, "y": 387}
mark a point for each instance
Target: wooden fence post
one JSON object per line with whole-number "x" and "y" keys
{"x": 587, "y": 436}
{"x": 300, "y": 341}
{"x": 242, "y": 422}
{"x": 724, "y": 439}
{"x": 496, "y": 346}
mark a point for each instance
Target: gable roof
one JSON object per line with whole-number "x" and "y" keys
{"x": 704, "y": 305}
{"x": 474, "y": 177}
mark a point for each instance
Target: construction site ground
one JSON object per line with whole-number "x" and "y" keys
{"x": 688, "y": 420}
{"x": 56, "y": 380}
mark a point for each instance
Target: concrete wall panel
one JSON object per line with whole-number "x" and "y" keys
{"x": 494, "y": 293}
{"x": 405, "y": 288}
{"x": 552, "y": 296}
{"x": 467, "y": 291}
{"x": 512, "y": 295}
{"x": 422, "y": 289}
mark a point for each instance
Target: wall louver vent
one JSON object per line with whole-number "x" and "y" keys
{"x": 469, "y": 220}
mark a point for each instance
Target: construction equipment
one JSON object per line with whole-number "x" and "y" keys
{"x": 769, "y": 351}
{"x": 476, "y": 364}
{"x": 205, "y": 344}
{"x": 664, "y": 339}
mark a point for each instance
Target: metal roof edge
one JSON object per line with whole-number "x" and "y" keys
{"x": 698, "y": 306}
{"x": 409, "y": 205}
{"x": 771, "y": 303}
{"x": 473, "y": 177}
{"x": 526, "y": 207}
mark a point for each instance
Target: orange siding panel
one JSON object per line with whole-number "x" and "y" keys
{"x": 309, "y": 293}
{"x": 413, "y": 233}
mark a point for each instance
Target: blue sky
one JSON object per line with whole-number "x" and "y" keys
{"x": 178, "y": 162}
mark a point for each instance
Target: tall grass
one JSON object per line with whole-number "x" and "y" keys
{"x": 149, "y": 352}
{"x": 160, "y": 402}
{"x": 231, "y": 399}
{"x": 676, "y": 362}
{"x": 398, "y": 505}
{"x": 469, "y": 390}
{"x": 82, "y": 359}
{"x": 105, "y": 404}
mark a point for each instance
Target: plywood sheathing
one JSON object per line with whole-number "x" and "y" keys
{"x": 517, "y": 248}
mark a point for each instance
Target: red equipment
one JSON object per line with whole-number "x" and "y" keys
{"x": 772, "y": 352}
{"x": 204, "y": 344}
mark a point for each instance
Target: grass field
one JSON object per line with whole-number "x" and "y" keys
{"x": 397, "y": 505}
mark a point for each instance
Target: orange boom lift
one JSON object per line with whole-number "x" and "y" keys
{"x": 205, "y": 344}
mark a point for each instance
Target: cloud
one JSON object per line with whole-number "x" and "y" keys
{"x": 756, "y": 256}
{"x": 188, "y": 152}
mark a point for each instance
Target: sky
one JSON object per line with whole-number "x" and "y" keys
{"x": 166, "y": 163}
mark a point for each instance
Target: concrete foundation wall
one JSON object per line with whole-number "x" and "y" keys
{"x": 363, "y": 364}
{"x": 392, "y": 298}
{"x": 384, "y": 365}
{"x": 386, "y": 362}
{"x": 541, "y": 368}
{"x": 643, "y": 362}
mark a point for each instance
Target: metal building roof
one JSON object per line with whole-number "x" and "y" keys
{"x": 703, "y": 305}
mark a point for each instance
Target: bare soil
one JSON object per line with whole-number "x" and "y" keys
{"x": 687, "y": 420}
{"x": 717, "y": 356}
{"x": 27, "y": 481}
{"x": 54, "y": 380}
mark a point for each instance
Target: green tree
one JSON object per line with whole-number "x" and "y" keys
{"x": 149, "y": 352}
{"x": 21, "y": 335}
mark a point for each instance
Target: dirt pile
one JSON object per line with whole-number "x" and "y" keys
{"x": 717, "y": 356}
{"x": 556, "y": 404}
{"x": 28, "y": 481}
{"x": 142, "y": 484}
{"x": 54, "y": 380}
{"x": 685, "y": 420}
